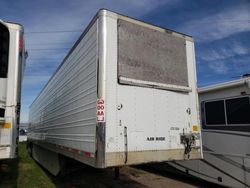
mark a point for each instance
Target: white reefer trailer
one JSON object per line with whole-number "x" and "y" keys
{"x": 12, "y": 62}
{"x": 125, "y": 94}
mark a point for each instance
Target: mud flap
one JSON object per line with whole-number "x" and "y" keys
{"x": 48, "y": 159}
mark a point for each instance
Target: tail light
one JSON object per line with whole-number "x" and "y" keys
{"x": 20, "y": 43}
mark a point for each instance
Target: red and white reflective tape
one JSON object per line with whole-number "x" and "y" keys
{"x": 73, "y": 150}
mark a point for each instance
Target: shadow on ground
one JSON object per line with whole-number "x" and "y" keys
{"x": 26, "y": 173}
{"x": 8, "y": 173}
{"x": 86, "y": 176}
{"x": 163, "y": 169}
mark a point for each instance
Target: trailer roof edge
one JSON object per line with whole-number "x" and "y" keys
{"x": 224, "y": 85}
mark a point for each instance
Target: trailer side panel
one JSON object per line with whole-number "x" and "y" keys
{"x": 64, "y": 114}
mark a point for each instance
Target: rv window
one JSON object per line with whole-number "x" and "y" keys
{"x": 149, "y": 55}
{"x": 238, "y": 110}
{"x": 4, "y": 51}
{"x": 215, "y": 113}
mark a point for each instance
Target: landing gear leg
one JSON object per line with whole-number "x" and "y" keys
{"x": 117, "y": 173}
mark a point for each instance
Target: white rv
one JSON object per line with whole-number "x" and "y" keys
{"x": 225, "y": 111}
{"x": 125, "y": 94}
{"x": 12, "y": 62}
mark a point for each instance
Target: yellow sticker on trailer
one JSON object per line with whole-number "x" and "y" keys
{"x": 6, "y": 125}
{"x": 195, "y": 128}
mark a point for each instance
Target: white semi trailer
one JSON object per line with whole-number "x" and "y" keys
{"x": 12, "y": 62}
{"x": 125, "y": 94}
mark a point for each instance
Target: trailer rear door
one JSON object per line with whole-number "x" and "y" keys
{"x": 153, "y": 91}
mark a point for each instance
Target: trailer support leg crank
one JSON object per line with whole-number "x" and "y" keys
{"x": 117, "y": 173}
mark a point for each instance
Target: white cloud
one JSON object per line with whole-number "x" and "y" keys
{"x": 224, "y": 53}
{"x": 220, "y": 25}
{"x": 218, "y": 67}
{"x": 217, "y": 59}
{"x": 240, "y": 50}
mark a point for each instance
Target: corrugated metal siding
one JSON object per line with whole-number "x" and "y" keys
{"x": 65, "y": 111}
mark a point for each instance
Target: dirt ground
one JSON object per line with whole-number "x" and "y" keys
{"x": 26, "y": 173}
{"x": 130, "y": 177}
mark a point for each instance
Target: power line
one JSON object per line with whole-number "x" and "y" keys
{"x": 38, "y": 49}
{"x": 39, "y": 59}
{"x": 36, "y": 43}
{"x": 56, "y": 31}
{"x": 76, "y": 31}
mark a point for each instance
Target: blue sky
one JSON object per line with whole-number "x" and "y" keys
{"x": 221, "y": 29}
